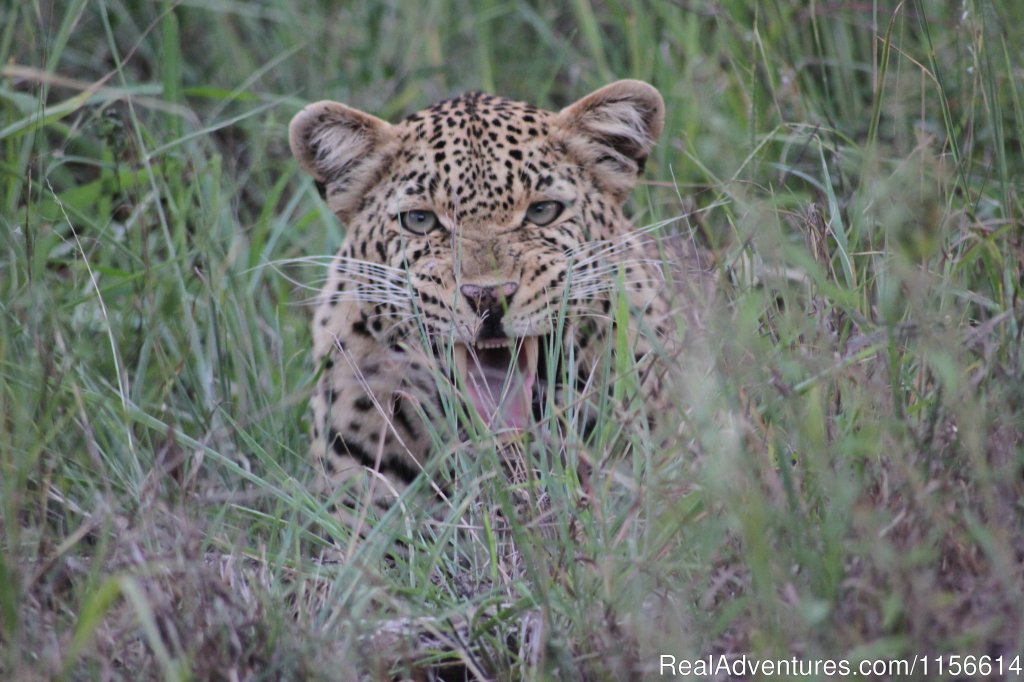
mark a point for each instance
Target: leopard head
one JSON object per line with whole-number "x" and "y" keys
{"x": 477, "y": 226}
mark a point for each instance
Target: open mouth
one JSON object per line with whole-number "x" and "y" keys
{"x": 499, "y": 377}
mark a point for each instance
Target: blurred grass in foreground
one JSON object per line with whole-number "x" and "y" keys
{"x": 849, "y": 481}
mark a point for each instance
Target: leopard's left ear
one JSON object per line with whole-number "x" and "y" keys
{"x": 612, "y": 130}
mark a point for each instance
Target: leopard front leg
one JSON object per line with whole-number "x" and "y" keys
{"x": 373, "y": 410}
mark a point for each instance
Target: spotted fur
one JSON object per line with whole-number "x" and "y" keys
{"x": 395, "y": 300}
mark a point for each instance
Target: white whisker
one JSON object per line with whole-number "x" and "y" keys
{"x": 351, "y": 269}
{"x": 349, "y": 299}
{"x": 300, "y": 260}
{"x": 611, "y": 267}
{"x": 596, "y": 247}
{"x": 594, "y": 290}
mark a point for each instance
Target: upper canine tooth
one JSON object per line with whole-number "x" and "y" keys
{"x": 459, "y": 356}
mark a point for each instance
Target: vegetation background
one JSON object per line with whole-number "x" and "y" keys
{"x": 849, "y": 482}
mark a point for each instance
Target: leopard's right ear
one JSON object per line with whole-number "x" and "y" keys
{"x": 342, "y": 148}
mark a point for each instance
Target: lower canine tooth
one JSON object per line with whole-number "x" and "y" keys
{"x": 530, "y": 348}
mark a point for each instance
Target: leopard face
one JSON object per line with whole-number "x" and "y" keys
{"x": 475, "y": 229}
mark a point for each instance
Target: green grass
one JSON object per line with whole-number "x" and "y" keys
{"x": 849, "y": 475}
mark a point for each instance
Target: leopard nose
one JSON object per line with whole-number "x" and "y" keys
{"x": 489, "y": 300}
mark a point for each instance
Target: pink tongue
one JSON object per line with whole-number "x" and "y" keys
{"x": 502, "y": 401}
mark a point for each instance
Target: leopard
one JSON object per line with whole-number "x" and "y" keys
{"x": 486, "y": 249}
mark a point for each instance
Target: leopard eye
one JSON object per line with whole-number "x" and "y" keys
{"x": 544, "y": 212}
{"x": 418, "y": 222}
